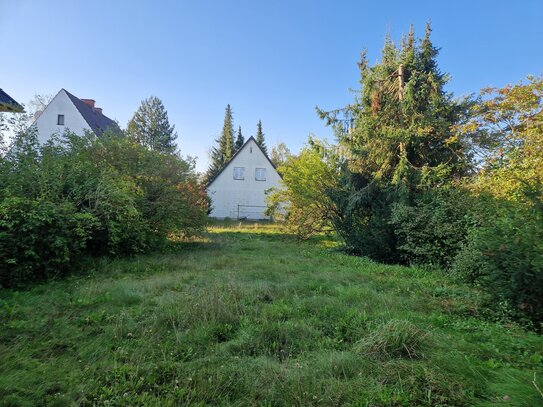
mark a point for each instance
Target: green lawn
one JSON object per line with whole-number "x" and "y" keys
{"x": 250, "y": 316}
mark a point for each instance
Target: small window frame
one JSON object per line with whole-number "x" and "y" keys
{"x": 262, "y": 172}
{"x": 239, "y": 173}
{"x": 60, "y": 120}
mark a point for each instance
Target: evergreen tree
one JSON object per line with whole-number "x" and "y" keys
{"x": 240, "y": 140}
{"x": 260, "y": 137}
{"x": 224, "y": 150}
{"x": 398, "y": 140}
{"x": 151, "y": 128}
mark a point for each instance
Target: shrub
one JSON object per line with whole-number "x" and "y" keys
{"x": 39, "y": 239}
{"x": 94, "y": 196}
{"x": 506, "y": 259}
{"x": 433, "y": 229}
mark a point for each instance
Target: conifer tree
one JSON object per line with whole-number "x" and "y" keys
{"x": 398, "y": 138}
{"x": 260, "y": 137}
{"x": 224, "y": 150}
{"x": 240, "y": 140}
{"x": 151, "y": 128}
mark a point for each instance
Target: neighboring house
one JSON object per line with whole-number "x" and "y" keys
{"x": 8, "y": 104}
{"x": 238, "y": 191}
{"x": 68, "y": 112}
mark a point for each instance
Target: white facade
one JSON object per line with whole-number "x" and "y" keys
{"x": 238, "y": 192}
{"x": 47, "y": 122}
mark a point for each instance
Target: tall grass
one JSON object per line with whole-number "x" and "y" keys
{"x": 250, "y": 316}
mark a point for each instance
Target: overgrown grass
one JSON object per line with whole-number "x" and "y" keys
{"x": 249, "y": 316}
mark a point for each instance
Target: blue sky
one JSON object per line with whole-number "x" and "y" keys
{"x": 273, "y": 60}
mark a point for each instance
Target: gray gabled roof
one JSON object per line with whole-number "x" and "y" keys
{"x": 8, "y": 104}
{"x": 97, "y": 121}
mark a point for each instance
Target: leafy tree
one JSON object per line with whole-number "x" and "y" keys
{"x": 260, "y": 137}
{"x": 280, "y": 154}
{"x": 224, "y": 149}
{"x": 302, "y": 201}
{"x": 507, "y": 129}
{"x": 151, "y": 128}
{"x": 240, "y": 140}
{"x": 503, "y": 252}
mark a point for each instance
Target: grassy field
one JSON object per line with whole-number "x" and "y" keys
{"x": 249, "y": 316}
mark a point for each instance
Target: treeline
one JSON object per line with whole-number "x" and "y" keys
{"x": 420, "y": 177}
{"x": 77, "y": 196}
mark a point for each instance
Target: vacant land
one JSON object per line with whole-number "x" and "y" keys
{"x": 249, "y": 316}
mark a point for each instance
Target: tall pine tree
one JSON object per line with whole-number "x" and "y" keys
{"x": 151, "y": 128}
{"x": 224, "y": 150}
{"x": 260, "y": 137}
{"x": 240, "y": 140}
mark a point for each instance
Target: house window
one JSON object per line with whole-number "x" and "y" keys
{"x": 60, "y": 120}
{"x": 239, "y": 172}
{"x": 260, "y": 174}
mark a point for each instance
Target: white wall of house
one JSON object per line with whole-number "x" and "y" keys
{"x": 61, "y": 104}
{"x": 228, "y": 195}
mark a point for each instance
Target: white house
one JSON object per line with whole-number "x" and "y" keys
{"x": 238, "y": 190}
{"x": 68, "y": 112}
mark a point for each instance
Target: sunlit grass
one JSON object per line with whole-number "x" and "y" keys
{"x": 247, "y": 315}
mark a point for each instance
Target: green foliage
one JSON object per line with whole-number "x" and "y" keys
{"x": 260, "y": 137}
{"x": 362, "y": 219}
{"x": 398, "y": 140}
{"x": 151, "y": 128}
{"x": 224, "y": 150}
{"x": 503, "y": 251}
{"x": 506, "y": 258}
{"x": 301, "y": 202}
{"x": 40, "y": 239}
{"x": 96, "y": 196}
{"x": 240, "y": 140}
{"x": 280, "y": 154}
{"x": 394, "y": 339}
{"x": 433, "y": 229}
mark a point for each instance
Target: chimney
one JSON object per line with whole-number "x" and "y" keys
{"x": 89, "y": 102}
{"x": 98, "y": 109}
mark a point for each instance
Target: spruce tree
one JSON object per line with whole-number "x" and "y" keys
{"x": 151, "y": 128}
{"x": 240, "y": 140}
{"x": 399, "y": 141}
{"x": 224, "y": 149}
{"x": 260, "y": 137}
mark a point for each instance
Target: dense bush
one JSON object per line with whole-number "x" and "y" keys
{"x": 506, "y": 258}
{"x": 363, "y": 221}
{"x": 79, "y": 196}
{"x": 40, "y": 239}
{"x": 433, "y": 228}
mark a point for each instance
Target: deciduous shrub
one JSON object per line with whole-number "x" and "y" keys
{"x": 78, "y": 196}
{"x": 506, "y": 259}
{"x": 40, "y": 239}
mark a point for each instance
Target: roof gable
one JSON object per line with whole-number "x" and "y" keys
{"x": 236, "y": 154}
{"x": 97, "y": 121}
{"x": 8, "y": 104}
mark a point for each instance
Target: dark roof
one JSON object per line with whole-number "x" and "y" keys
{"x": 8, "y": 104}
{"x": 235, "y": 155}
{"x": 97, "y": 121}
